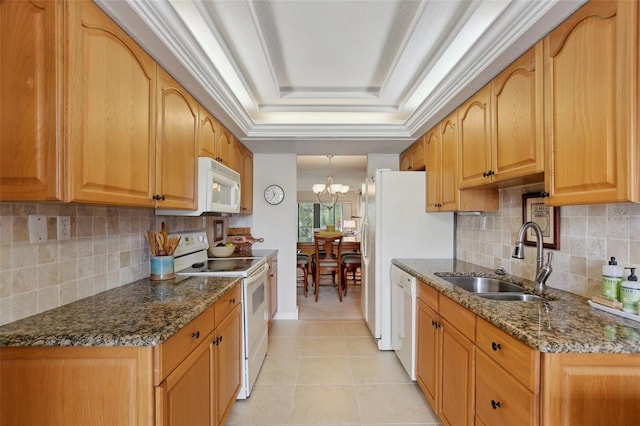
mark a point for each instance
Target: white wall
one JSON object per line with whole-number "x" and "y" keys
{"x": 278, "y": 224}
{"x": 382, "y": 161}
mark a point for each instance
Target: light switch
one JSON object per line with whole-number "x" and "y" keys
{"x": 37, "y": 228}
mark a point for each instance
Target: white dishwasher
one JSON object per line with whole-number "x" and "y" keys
{"x": 403, "y": 318}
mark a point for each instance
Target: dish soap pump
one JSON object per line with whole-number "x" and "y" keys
{"x": 630, "y": 293}
{"x": 611, "y": 278}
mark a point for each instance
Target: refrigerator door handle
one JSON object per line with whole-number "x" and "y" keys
{"x": 363, "y": 233}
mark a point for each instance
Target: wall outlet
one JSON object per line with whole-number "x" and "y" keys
{"x": 37, "y": 228}
{"x": 64, "y": 228}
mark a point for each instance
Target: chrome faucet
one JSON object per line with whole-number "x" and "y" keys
{"x": 542, "y": 271}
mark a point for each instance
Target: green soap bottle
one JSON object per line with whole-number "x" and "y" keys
{"x": 611, "y": 280}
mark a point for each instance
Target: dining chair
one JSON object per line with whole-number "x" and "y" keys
{"x": 351, "y": 262}
{"x": 303, "y": 264}
{"x": 329, "y": 261}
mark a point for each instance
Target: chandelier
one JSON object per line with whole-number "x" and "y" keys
{"x": 333, "y": 190}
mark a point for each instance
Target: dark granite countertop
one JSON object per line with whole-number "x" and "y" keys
{"x": 143, "y": 313}
{"x": 566, "y": 324}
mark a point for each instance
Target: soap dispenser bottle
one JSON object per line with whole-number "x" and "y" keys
{"x": 611, "y": 279}
{"x": 630, "y": 293}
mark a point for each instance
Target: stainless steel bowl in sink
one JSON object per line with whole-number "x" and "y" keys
{"x": 483, "y": 284}
{"x": 514, "y": 297}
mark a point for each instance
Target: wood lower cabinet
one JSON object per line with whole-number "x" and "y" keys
{"x": 590, "y": 389}
{"x": 185, "y": 396}
{"x": 192, "y": 378}
{"x": 273, "y": 287}
{"x": 31, "y": 73}
{"x": 445, "y": 367}
{"x": 226, "y": 355}
{"x": 590, "y": 84}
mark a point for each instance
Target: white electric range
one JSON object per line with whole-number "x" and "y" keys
{"x": 191, "y": 259}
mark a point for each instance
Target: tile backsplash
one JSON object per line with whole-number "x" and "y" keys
{"x": 107, "y": 249}
{"x": 589, "y": 236}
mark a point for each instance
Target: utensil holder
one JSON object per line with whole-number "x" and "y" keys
{"x": 162, "y": 268}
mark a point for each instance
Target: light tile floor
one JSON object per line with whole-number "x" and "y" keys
{"x": 330, "y": 372}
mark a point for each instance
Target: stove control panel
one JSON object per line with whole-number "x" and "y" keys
{"x": 191, "y": 242}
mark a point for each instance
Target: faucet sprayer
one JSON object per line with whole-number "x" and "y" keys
{"x": 542, "y": 271}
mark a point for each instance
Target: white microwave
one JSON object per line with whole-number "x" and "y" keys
{"x": 218, "y": 190}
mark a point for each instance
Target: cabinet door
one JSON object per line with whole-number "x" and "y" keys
{"x": 590, "y": 389}
{"x": 208, "y": 135}
{"x": 475, "y": 140}
{"x": 224, "y": 146}
{"x": 590, "y": 76}
{"x": 517, "y": 118}
{"x": 405, "y": 160}
{"x": 449, "y": 163}
{"x": 246, "y": 178}
{"x": 177, "y": 144}
{"x": 111, "y": 133}
{"x": 227, "y": 361}
{"x": 432, "y": 147}
{"x": 417, "y": 155}
{"x": 273, "y": 289}
{"x": 31, "y": 46}
{"x": 427, "y": 353}
{"x": 236, "y": 155}
{"x": 185, "y": 397}
{"x": 500, "y": 399}
{"x": 457, "y": 402}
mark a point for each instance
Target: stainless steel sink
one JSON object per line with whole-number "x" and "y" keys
{"x": 483, "y": 284}
{"x": 517, "y": 297}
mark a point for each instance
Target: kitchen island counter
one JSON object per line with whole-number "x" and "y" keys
{"x": 564, "y": 325}
{"x": 143, "y": 313}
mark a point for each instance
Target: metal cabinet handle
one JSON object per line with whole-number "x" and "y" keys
{"x": 495, "y": 346}
{"x": 495, "y": 404}
{"x": 195, "y": 334}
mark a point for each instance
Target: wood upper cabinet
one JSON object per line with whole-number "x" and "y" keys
{"x": 474, "y": 152}
{"x": 177, "y": 145}
{"x": 224, "y": 146}
{"x": 441, "y": 145}
{"x": 112, "y": 104}
{"x": 31, "y": 61}
{"x": 443, "y": 192}
{"x": 208, "y": 136}
{"x": 236, "y": 155}
{"x": 215, "y": 139}
{"x": 412, "y": 158}
{"x": 246, "y": 177}
{"x": 590, "y": 84}
{"x": 517, "y": 119}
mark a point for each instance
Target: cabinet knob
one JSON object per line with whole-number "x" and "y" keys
{"x": 195, "y": 334}
{"x": 232, "y": 301}
{"x": 495, "y": 404}
{"x": 495, "y": 346}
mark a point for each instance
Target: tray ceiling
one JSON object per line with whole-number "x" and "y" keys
{"x": 339, "y": 77}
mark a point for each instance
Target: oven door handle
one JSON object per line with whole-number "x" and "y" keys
{"x": 258, "y": 275}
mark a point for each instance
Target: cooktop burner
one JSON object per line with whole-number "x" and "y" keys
{"x": 232, "y": 266}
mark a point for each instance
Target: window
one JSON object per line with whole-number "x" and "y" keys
{"x": 313, "y": 216}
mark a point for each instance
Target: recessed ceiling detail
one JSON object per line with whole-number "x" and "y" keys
{"x": 335, "y": 71}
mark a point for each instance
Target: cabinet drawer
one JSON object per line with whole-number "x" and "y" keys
{"x": 172, "y": 352}
{"x": 461, "y": 318}
{"x": 428, "y": 294}
{"x": 226, "y": 303}
{"x": 514, "y": 356}
{"x": 500, "y": 399}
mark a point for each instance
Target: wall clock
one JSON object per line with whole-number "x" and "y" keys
{"x": 274, "y": 194}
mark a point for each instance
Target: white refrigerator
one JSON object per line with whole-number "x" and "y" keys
{"x": 395, "y": 225}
